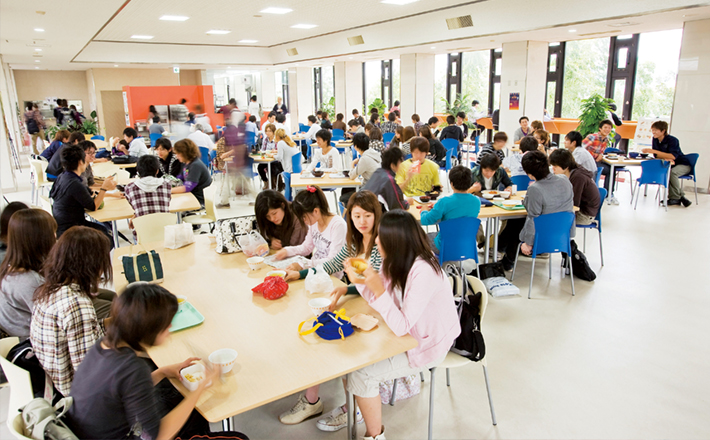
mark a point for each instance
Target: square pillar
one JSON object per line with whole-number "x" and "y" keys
{"x": 416, "y": 86}
{"x": 348, "y": 88}
{"x": 300, "y": 82}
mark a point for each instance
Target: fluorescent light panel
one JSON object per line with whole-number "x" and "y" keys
{"x": 248, "y": 41}
{"x": 37, "y": 49}
{"x": 218, "y": 32}
{"x": 398, "y": 2}
{"x": 276, "y": 10}
{"x": 174, "y": 18}
{"x": 304, "y": 26}
{"x": 39, "y": 30}
{"x": 142, "y": 37}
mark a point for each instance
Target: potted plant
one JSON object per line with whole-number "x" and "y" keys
{"x": 460, "y": 104}
{"x": 594, "y": 111}
{"x": 379, "y": 104}
{"x": 329, "y": 107}
{"x": 88, "y": 126}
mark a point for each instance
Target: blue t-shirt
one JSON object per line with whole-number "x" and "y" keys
{"x": 49, "y": 151}
{"x": 456, "y": 205}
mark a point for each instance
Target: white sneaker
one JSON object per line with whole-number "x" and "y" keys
{"x": 337, "y": 420}
{"x": 301, "y": 411}
{"x": 377, "y": 437}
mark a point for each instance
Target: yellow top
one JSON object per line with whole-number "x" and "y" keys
{"x": 420, "y": 183}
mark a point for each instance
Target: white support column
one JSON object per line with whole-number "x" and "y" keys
{"x": 348, "y": 88}
{"x": 524, "y": 71}
{"x": 416, "y": 85}
{"x": 339, "y": 85}
{"x": 267, "y": 96}
{"x": 300, "y": 82}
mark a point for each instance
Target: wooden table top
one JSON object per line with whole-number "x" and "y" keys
{"x": 623, "y": 161}
{"x": 260, "y": 159}
{"x": 323, "y": 182}
{"x": 120, "y": 209}
{"x": 273, "y": 361}
{"x": 486, "y": 211}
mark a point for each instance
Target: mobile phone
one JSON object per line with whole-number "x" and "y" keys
{"x": 114, "y": 174}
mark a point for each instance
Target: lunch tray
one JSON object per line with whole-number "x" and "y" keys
{"x": 509, "y": 208}
{"x": 187, "y": 316}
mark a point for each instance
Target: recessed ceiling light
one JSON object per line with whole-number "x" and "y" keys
{"x": 398, "y": 2}
{"x": 304, "y": 26}
{"x": 115, "y": 65}
{"x": 37, "y": 49}
{"x": 276, "y": 11}
{"x": 573, "y": 30}
{"x": 248, "y": 41}
{"x": 39, "y": 30}
{"x": 174, "y": 18}
{"x": 433, "y": 47}
{"x": 36, "y": 67}
{"x": 142, "y": 37}
{"x": 36, "y": 61}
{"x": 350, "y": 58}
{"x": 218, "y": 32}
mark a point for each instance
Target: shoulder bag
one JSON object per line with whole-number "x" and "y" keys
{"x": 228, "y": 232}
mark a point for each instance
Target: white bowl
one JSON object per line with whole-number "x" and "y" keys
{"x": 255, "y": 263}
{"x": 511, "y": 202}
{"x": 488, "y": 196}
{"x": 224, "y": 358}
{"x": 498, "y": 199}
{"x": 319, "y": 305}
{"x": 213, "y": 238}
{"x": 197, "y": 373}
{"x": 181, "y": 299}
{"x": 277, "y": 273}
{"x": 504, "y": 194}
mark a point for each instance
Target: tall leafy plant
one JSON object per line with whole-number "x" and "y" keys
{"x": 329, "y": 107}
{"x": 88, "y": 126}
{"x": 379, "y": 104}
{"x": 594, "y": 111}
{"x": 459, "y": 104}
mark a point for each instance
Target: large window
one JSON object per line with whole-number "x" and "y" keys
{"x": 656, "y": 73}
{"x": 395, "y": 81}
{"x": 328, "y": 81}
{"x": 586, "y": 63}
{"x": 475, "y": 70}
{"x": 373, "y": 82}
{"x": 441, "y": 62}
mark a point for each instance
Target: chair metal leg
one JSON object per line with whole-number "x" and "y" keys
{"x": 571, "y": 273}
{"x": 637, "y": 196}
{"x": 695, "y": 184}
{"x": 394, "y": 393}
{"x": 490, "y": 398}
{"x": 515, "y": 264}
{"x": 584, "y": 243}
{"x": 532, "y": 274}
{"x": 601, "y": 248}
{"x": 421, "y": 374}
{"x": 448, "y": 378}
{"x": 228, "y": 424}
{"x": 549, "y": 267}
{"x": 431, "y": 404}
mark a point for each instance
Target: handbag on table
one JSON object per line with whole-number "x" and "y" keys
{"x": 144, "y": 266}
{"x": 228, "y": 232}
{"x": 329, "y": 326}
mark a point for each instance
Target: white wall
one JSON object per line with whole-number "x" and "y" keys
{"x": 267, "y": 94}
{"x": 353, "y": 89}
{"x": 300, "y": 82}
{"x": 690, "y": 122}
{"x": 416, "y": 84}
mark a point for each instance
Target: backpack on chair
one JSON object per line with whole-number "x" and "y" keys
{"x": 469, "y": 343}
{"x": 42, "y": 421}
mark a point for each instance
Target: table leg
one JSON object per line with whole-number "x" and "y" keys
{"x": 485, "y": 234}
{"x": 228, "y": 424}
{"x": 496, "y": 230}
{"x": 268, "y": 177}
{"x": 114, "y": 232}
{"x": 179, "y": 218}
{"x": 610, "y": 198}
{"x": 350, "y": 405}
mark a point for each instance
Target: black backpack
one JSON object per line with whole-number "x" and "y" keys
{"x": 470, "y": 342}
{"x": 32, "y": 127}
{"x": 24, "y": 357}
{"x": 580, "y": 265}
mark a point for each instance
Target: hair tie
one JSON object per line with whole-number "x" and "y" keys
{"x": 311, "y": 189}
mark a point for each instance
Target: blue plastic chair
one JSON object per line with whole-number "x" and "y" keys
{"x": 341, "y": 207}
{"x": 521, "y": 181}
{"x": 303, "y": 128}
{"x": 596, "y": 224}
{"x": 618, "y": 170}
{"x": 598, "y": 177}
{"x": 355, "y": 155}
{"x": 450, "y": 144}
{"x": 154, "y": 137}
{"x": 287, "y": 185}
{"x": 693, "y": 159}
{"x": 205, "y": 156}
{"x": 387, "y": 138}
{"x": 552, "y": 235}
{"x": 296, "y": 165}
{"x": 653, "y": 172}
{"x": 250, "y": 138}
{"x": 99, "y": 137}
{"x": 409, "y": 156}
{"x": 458, "y": 240}
{"x": 338, "y": 134}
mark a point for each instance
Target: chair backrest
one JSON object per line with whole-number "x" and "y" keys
{"x": 151, "y": 227}
{"x": 338, "y": 134}
{"x": 205, "y": 155}
{"x": 654, "y": 172}
{"x": 458, "y": 239}
{"x": 209, "y": 206}
{"x": 450, "y": 144}
{"x": 250, "y": 138}
{"x": 296, "y": 161}
{"x": 154, "y": 137}
{"x": 613, "y": 150}
{"x": 122, "y": 175}
{"x": 39, "y": 168}
{"x": 693, "y": 159}
{"x": 449, "y": 157}
{"x": 599, "y": 175}
{"x": 303, "y": 128}
{"x": 387, "y": 138}
{"x": 409, "y": 156}
{"x": 287, "y": 185}
{"x": 341, "y": 207}
{"x": 98, "y": 136}
{"x": 18, "y": 378}
{"x": 522, "y": 182}
{"x": 478, "y": 286}
{"x": 552, "y": 233}
{"x": 354, "y": 151}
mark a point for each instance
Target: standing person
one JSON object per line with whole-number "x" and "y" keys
{"x": 383, "y": 184}
{"x": 418, "y": 124}
{"x": 200, "y": 138}
{"x": 131, "y": 404}
{"x": 149, "y": 194}
{"x": 254, "y": 108}
{"x": 285, "y": 150}
{"x": 390, "y": 126}
{"x": 152, "y": 113}
{"x": 61, "y": 137}
{"x": 195, "y": 175}
{"x": 418, "y": 175}
{"x": 451, "y": 131}
{"x": 395, "y": 107}
{"x": 66, "y": 321}
{"x": 227, "y": 111}
{"x": 413, "y": 295}
{"x": 573, "y": 142}
{"x": 31, "y": 235}
{"x": 523, "y": 130}
{"x": 667, "y": 147}
{"x": 35, "y": 125}
{"x": 339, "y": 124}
{"x": 276, "y": 221}
{"x": 72, "y": 198}
{"x": 586, "y": 192}
{"x": 437, "y": 152}
{"x": 596, "y": 144}
{"x": 7, "y": 213}
{"x": 167, "y": 160}
{"x": 280, "y": 107}
{"x": 136, "y": 144}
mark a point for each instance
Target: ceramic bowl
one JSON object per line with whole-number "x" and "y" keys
{"x": 319, "y": 305}
{"x": 255, "y": 263}
{"x": 224, "y": 359}
{"x": 277, "y": 273}
{"x": 504, "y": 194}
{"x": 488, "y": 196}
{"x": 318, "y": 173}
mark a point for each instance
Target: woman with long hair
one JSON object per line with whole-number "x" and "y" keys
{"x": 397, "y": 139}
{"x": 413, "y": 295}
{"x": 65, "y": 323}
{"x": 285, "y": 149}
{"x": 407, "y": 135}
{"x": 31, "y": 235}
{"x": 7, "y": 213}
{"x": 276, "y": 221}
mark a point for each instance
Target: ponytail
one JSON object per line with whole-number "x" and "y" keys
{"x": 281, "y": 134}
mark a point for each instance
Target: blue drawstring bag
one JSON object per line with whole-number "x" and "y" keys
{"x": 329, "y": 326}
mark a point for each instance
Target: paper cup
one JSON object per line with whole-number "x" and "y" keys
{"x": 319, "y": 305}
{"x": 255, "y": 263}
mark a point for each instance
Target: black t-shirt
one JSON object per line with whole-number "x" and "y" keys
{"x": 55, "y": 167}
{"x": 113, "y": 396}
{"x": 71, "y": 199}
{"x": 452, "y": 132}
{"x": 197, "y": 178}
{"x": 171, "y": 165}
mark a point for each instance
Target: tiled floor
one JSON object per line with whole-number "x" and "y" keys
{"x": 627, "y": 357}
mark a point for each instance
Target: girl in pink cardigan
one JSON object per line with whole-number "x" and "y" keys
{"x": 414, "y": 297}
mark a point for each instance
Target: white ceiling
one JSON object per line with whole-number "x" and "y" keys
{"x": 100, "y": 36}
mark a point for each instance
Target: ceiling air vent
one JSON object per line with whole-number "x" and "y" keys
{"x": 354, "y": 41}
{"x": 459, "y": 22}
{"x": 292, "y": 52}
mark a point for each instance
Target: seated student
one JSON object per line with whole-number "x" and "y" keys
{"x": 543, "y": 140}
{"x": 537, "y": 125}
{"x": 382, "y": 182}
{"x": 268, "y": 144}
{"x": 200, "y": 138}
{"x": 327, "y": 157}
{"x": 376, "y": 142}
{"x": 433, "y": 124}
{"x": 417, "y": 123}
{"x": 325, "y": 122}
{"x": 374, "y": 119}
{"x": 251, "y": 126}
{"x": 418, "y": 174}
{"x": 496, "y": 147}
{"x": 513, "y": 163}
{"x": 413, "y": 295}
{"x": 168, "y": 163}
{"x": 55, "y": 164}
{"x": 60, "y": 138}
{"x": 190, "y": 119}
{"x": 363, "y": 214}
{"x": 369, "y": 160}
{"x": 10, "y": 209}
{"x": 461, "y": 123}
{"x": 314, "y": 128}
{"x": 68, "y": 316}
{"x": 280, "y": 122}
{"x": 596, "y": 144}
{"x": 451, "y": 131}
{"x": 326, "y": 231}
{"x": 523, "y": 130}
{"x": 31, "y": 235}
{"x": 356, "y": 116}
{"x": 195, "y": 176}
{"x": 489, "y": 175}
{"x": 404, "y": 139}
{"x": 72, "y": 198}
{"x": 667, "y": 147}
{"x": 130, "y": 405}
{"x": 586, "y": 192}
{"x": 270, "y": 119}
{"x": 389, "y": 126}
{"x": 285, "y": 150}
{"x": 573, "y": 142}
{"x": 136, "y": 144}
{"x": 276, "y": 221}
{"x": 156, "y": 128}
{"x": 457, "y": 205}
{"x": 149, "y": 194}
{"x": 546, "y": 195}
{"x": 339, "y": 124}
{"x": 354, "y": 127}
{"x": 437, "y": 152}
{"x": 397, "y": 139}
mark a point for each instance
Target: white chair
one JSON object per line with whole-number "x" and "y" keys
{"x": 38, "y": 169}
{"x": 151, "y": 227}
{"x": 204, "y": 218}
{"x": 20, "y": 388}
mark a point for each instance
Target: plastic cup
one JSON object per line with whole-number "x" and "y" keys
{"x": 319, "y": 305}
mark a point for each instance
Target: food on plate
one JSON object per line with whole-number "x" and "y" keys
{"x": 424, "y": 199}
{"x": 359, "y": 265}
{"x": 272, "y": 288}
